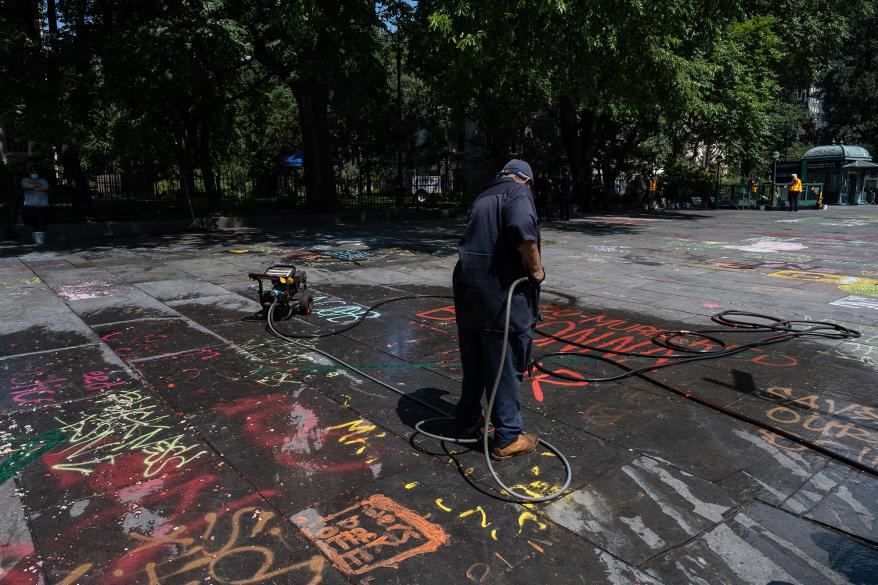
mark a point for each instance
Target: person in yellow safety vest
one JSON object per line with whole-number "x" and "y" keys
{"x": 794, "y": 190}
{"x": 652, "y": 203}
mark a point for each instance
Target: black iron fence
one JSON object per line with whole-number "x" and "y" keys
{"x": 126, "y": 196}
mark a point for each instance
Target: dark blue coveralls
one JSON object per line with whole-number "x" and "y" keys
{"x": 501, "y": 219}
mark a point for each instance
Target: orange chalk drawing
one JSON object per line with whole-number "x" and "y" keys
{"x": 440, "y": 314}
{"x": 375, "y": 532}
{"x": 75, "y": 574}
{"x": 197, "y": 555}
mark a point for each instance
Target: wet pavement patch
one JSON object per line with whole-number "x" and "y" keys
{"x": 641, "y": 509}
{"x": 172, "y": 290}
{"x": 209, "y": 311}
{"x": 304, "y": 450}
{"x": 150, "y": 338}
{"x": 764, "y": 544}
{"x": 50, "y": 332}
{"x": 50, "y": 378}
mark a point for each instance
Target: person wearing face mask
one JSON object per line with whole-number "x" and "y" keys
{"x": 36, "y": 204}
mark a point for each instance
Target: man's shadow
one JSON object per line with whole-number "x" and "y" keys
{"x": 412, "y": 409}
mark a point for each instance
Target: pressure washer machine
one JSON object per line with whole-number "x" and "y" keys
{"x": 286, "y": 287}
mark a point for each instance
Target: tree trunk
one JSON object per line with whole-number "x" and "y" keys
{"x": 187, "y": 181}
{"x": 205, "y": 162}
{"x": 31, "y": 21}
{"x": 314, "y": 121}
{"x": 587, "y": 138}
{"x": 572, "y": 144}
{"x": 52, "y": 22}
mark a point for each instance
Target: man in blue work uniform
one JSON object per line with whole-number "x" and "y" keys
{"x": 501, "y": 244}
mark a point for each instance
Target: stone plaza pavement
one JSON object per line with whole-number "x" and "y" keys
{"x": 152, "y": 431}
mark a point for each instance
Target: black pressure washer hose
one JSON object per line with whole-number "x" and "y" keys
{"x": 782, "y": 330}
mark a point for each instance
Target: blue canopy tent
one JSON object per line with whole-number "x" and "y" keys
{"x": 297, "y": 159}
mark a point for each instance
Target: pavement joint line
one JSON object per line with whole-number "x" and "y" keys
{"x": 41, "y": 572}
{"x": 170, "y": 354}
{"x": 802, "y": 516}
{"x": 45, "y": 351}
{"x": 135, "y": 320}
{"x": 728, "y": 515}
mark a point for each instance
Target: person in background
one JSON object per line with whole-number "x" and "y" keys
{"x": 566, "y": 193}
{"x": 543, "y": 195}
{"x": 652, "y": 198}
{"x": 794, "y": 191}
{"x": 35, "y": 212}
{"x": 638, "y": 190}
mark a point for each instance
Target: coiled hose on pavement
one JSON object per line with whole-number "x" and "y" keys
{"x": 779, "y": 330}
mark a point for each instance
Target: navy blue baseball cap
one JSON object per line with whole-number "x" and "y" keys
{"x": 518, "y": 168}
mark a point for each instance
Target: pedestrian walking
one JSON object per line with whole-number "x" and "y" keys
{"x": 794, "y": 191}
{"x": 35, "y": 212}
{"x": 500, "y": 245}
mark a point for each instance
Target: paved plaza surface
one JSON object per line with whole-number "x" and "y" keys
{"x": 152, "y": 431}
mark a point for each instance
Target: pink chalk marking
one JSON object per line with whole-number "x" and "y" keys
{"x": 138, "y": 491}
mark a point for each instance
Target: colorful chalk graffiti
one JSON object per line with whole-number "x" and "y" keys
{"x": 238, "y": 543}
{"x": 843, "y": 426}
{"x": 31, "y": 450}
{"x": 767, "y": 245}
{"x": 603, "y": 332}
{"x": 374, "y": 532}
{"x": 293, "y": 436}
{"x": 340, "y": 311}
{"x": 28, "y": 387}
{"x": 126, "y": 422}
{"x": 198, "y": 555}
{"x": 854, "y": 284}
{"x": 838, "y": 279}
{"x": 35, "y": 384}
{"x": 349, "y": 255}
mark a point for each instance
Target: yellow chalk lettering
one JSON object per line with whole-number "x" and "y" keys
{"x": 525, "y": 516}
{"x": 479, "y": 509}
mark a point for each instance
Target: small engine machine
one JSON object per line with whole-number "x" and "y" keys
{"x": 288, "y": 287}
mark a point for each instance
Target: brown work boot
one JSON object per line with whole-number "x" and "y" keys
{"x": 523, "y": 443}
